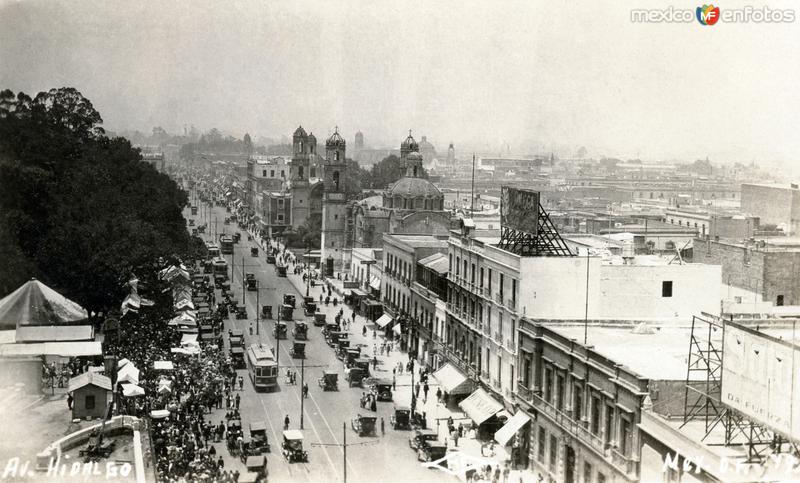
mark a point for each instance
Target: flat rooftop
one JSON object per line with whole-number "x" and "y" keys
{"x": 419, "y": 241}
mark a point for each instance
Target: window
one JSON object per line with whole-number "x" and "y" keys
{"x": 481, "y": 279}
{"x": 272, "y": 173}
{"x": 548, "y": 384}
{"x": 666, "y": 288}
{"x": 472, "y": 274}
{"x": 499, "y": 368}
{"x": 300, "y": 172}
{"x": 335, "y": 217}
{"x": 458, "y": 266}
{"x": 490, "y": 280}
{"x": 89, "y": 401}
{"x": 601, "y": 478}
{"x": 280, "y": 203}
{"x": 560, "y": 392}
{"x": 577, "y": 409}
{"x": 624, "y": 436}
{"x": 514, "y": 292}
{"x": 587, "y": 473}
{"x": 283, "y": 173}
{"x": 500, "y": 324}
{"x": 553, "y": 452}
{"x": 609, "y": 425}
{"x": 595, "y": 428}
{"x": 542, "y": 440}
{"x": 502, "y": 280}
{"x": 264, "y": 173}
{"x": 779, "y": 302}
{"x": 280, "y": 218}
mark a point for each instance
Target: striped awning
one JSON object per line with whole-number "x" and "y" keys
{"x": 384, "y": 320}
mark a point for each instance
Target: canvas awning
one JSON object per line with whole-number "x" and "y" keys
{"x": 129, "y": 373}
{"x": 63, "y": 349}
{"x": 397, "y": 330}
{"x": 163, "y": 366}
{"x": 132, "y": 390}
{"x": 375, "y": 282}
{"x": 159, "y": 413}
{"x": 452, "y": 380}
{"x": 54, "y": 333}
{"x": 384, "y": 320}
{"x": 187, "y": 339}
{"x": 121, "y": 363}
{"x": 504, "y": 434}
{"x": 34, "y": 303}
{"x": 480, "y": 406}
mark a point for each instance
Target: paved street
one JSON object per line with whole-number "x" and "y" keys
{"x": 385, "y": 457}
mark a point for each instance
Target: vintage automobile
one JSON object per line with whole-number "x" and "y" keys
{"x": 300, "y": 330}
{"x": 310, "y": 308}
{"x": 237, "y": 236}
{"x": 289, "y": 299}
{"x": 319, "y": 319}
{"x": 354, "y": 376}
{"x": 329, "y": 327}
{"x": 293, "y": 446}
{"x": 194, "y": 231}
{"x": 432, "y": 452}
{"x": 342, "y": 347}
{"x": 271, "y": 259}
{"x": 254, "y": 251}
{"x": 329, "y": 381}
{"x": 251, "y": 281}
{"x": 241, "y": 312}
{"x": 258, "y": 438}
{"x": 266, "y": 311}
{"x": 418, "y": 420}
{"x": 280, "y": 270}
{"x": 422, "y": 437}
{"x": 202, "y": 228}
{"x": 236, "y": 337}
{"x": 256, "y": 464}
{"x": 279, "y": 330}
{"x": 364, "y": 425}
{"x": 237, "y": 356}
{"x": 382, "y": 388}
{"x": 401, "y": 419}
{"x": 287, "y": 312}
{"x": 363, "y": 364}
{"x": 352, "y": 355}
{"x": 298, "y": 350}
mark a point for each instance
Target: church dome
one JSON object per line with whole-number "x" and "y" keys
{"x": 410, "y": 144}
{"x": 335, "y": 140}
{"x": 300, "y": 132}
{"x": 415, "y": 188}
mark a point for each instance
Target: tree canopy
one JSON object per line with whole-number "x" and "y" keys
{"x": 80, "y": 211}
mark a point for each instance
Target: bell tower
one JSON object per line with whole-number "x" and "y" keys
{"x": 334, "y": 204}
{"x": 303, "y": 147}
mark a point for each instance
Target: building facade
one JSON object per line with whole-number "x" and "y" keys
{"x": 428, "y": 295}
{"x": 334, "y": 205}
{"x": 773, "y": 204}
{"x": 400, "y": 256}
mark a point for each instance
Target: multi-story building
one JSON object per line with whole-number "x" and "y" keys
{"x": 304, "y": 147}
{"x": 712, "y": 224}
{"x": 428, "y": 296}
{"x": 769, "y": 268}
{"x": 492, "y": 287}
{"x": 400, "y": 256}
{"x": 264, "y": 173}
{"x": 773, "y": 204}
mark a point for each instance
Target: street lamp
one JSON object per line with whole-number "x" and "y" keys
{"x": 308, "y": 270}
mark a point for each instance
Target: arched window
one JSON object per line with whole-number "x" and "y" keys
{"x": 300, "y": 172}
{"x": 415, "y": 171}
{"x": 336, "y": 179}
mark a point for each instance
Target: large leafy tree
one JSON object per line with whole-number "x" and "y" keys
{"x": 80, "y": 211}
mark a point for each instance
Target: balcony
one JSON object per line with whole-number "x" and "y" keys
{"x": 498, "y": 298}
{"x": 625, "y": 463}
{"x": 524, "y": 393}
{"x": 577, "y": 429}
{"x": 510, "y": 345}
{"x": 486, "y": 292}
{"x": 511, "y": 304}
{"x": 498, "y": 337}
{"x": 486, "y": 331}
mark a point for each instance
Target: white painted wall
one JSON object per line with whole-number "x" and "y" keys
{"x": 556, "y": 288}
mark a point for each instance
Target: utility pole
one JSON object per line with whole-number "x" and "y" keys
{"x": 258, "y": 292}
{"x": 344, "y": 446}
{"x": 244, "y": 294}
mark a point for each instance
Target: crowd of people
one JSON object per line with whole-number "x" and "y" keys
{"x": 198, "y": 384}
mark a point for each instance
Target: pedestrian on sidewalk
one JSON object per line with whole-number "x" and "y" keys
{"x": 425, "y": 389}
{"x": 416, "y": 390}
{"x": 364, "y": 331}
{"x": 374, "y": 349}
{"x": 286, "y": 423}
{"x": 374, "y": 333}
{"x": 383, "y": 428}
{"x": 439, "y": 394}
{"x": 305, "y": 390}
{"x": 238, "y": 400}
{"x": 394, "y": 383}
{"x": 241, "y": 383}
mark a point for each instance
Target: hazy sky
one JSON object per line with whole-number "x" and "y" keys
{"x": 481, "y": 74}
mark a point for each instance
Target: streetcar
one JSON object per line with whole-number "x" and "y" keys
{"x": 220, "y": 266}
{"x": 226, "y": 244}
{"x": 262, "y": 367}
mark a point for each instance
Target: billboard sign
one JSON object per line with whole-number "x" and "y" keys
{"x": 519, "y": 210}
{"x": 760, "y": 379}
